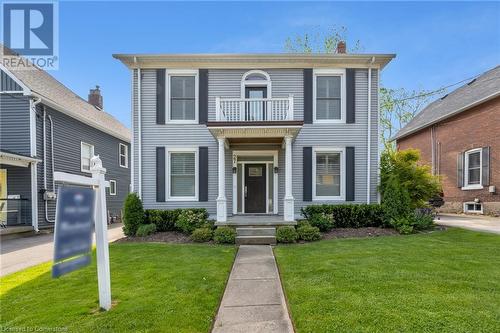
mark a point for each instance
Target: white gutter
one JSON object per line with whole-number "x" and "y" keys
{"x": 132, "y": 137}
{"x": 45, "y": 161}
{"x": 139, "y": 134}
{"x": 34, "y": 178}
{"x": 369, "y": 141}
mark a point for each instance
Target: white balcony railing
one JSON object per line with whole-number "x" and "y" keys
{"x": 254, "y": 109}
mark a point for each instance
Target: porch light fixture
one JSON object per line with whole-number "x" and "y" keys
{"x": 234, "y": 169}
{"x": 276, "y": 169}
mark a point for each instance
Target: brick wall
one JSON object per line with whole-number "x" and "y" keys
{"x": 475, "y": 128}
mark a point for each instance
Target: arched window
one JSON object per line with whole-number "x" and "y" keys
{"x": 256, "y": 84}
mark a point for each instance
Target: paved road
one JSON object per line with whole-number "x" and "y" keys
{"x": 20, "y": 253}
{"x": 471, "y": 222}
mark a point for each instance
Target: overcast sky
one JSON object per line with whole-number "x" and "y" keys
{"x": 436, "y": 43}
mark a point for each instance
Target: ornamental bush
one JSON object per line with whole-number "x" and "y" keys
{"x": 225, "y": 235}
{"x": 321, "y": 221}
{"x": 327, "y": 216}
{"x": 145, "y": 230}
{"x": 202, "y": 235}
{"x": 308, "y": 233}
{"x": 133, "y": 214}
{"x": 190, "y": 219}
{"x": 286, "y": 234}
{"x": 162, "y": 218}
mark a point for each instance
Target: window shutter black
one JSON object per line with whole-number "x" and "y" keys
{"x": 350, "y": 96}
{"x": 160, "y": 174}
{"x": 485, "y": 181}
{"x": 307, "y": 174}
{"x": 460, "y": 169}
{"x": 203, "y": 174}
{"x": 160, "y": 96}
{"x": 203, "y": 96}
{"x": 308, "y": 96}
{"x": 349, "y": 174}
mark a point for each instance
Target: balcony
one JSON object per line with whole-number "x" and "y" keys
{"x": 254, "y": 109}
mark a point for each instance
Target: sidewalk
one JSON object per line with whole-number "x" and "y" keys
{"x": 471, "y": 222}
{"x": 17, "y": 254}
{"x": 253, "y": 300}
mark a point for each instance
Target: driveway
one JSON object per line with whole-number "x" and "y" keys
{"x": 17, "y": 254}
{"x": 471, "y": 222}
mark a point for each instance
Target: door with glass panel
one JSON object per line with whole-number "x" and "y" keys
{"x": 255, "y": 106}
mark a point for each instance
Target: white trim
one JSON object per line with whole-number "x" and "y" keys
{"x": 132, "y": 141}
{"x": 17, "y": 160}
{"x": 112, "y": 181}
{"x": 187, "y": 149}
{"x": 331, "y": 72}
{"x": 379, "y": 197}
{"x": 256, "y": 83}
{"x": 340, "y": 150}
{"x": 468, "y": 186}
{"x": 369, "y": 139}
{"x": 91, "y": 155}
{"x": 25, "y": 91}
{"x": 181, "y": 72}
{"x": 473, "y": 211}
{"x": 139, "y": 134}
{"x": 34, "y": 196}
{"x": 120, "y": 155}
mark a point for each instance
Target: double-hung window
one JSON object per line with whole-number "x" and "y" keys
{"x": 123, "y": 151}
{"x": 86, "y": 153}
{"x": 329, "y": 96}
{"x": 473, "y": 169}
{"x": 112, "y": 187}
{"x": 183, "y": 174}
{"x": 328, "y": 174}
{"x": 182, "y": 95}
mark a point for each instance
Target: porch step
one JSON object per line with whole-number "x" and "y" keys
{"x": 255, "y": 240}
{"x": 255, "y": 236}
{"x": 256, "y": 231}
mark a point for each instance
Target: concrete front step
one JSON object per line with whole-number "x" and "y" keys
{"x": 255, "y": 240}
{"x": 256, "y": 231}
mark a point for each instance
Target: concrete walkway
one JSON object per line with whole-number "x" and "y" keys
{"x": 20, "y": 253}
{"x": 253, "y": 300}
{"x": 471, "y": 222}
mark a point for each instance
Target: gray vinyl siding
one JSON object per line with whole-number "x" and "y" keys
{"x": 19, "y": 183}
{"x": 15, "y": 123}
{"x": 7, "y": 84}
{"x": 68, "y": 135}
{"x": 227, "y": 83}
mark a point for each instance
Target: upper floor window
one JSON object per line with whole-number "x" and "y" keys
{"x": 473, "y": 168}
{"x": 328, "y": 168}
{"x": 86, "y": 153}
{"x": 123, "y": 151}
{"x": 182, "y": 95}
{"x": 256, "y": 84}
{"x": 329, "y": 95}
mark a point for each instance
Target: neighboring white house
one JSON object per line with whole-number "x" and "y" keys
{"x": 255, "y": 133}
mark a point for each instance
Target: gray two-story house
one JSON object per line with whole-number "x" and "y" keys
{"x": 45, "y": 128}
{"x": 255, "y": 134}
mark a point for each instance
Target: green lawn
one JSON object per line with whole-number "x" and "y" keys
{"x": 438, "y": 282}
{"x": 155, "y": 288}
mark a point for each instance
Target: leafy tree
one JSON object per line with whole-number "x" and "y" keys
{"x": 133, "y": 214}
{"x": 321, "y": 41}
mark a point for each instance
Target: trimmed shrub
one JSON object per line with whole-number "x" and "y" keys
{"x": 321, "y": 221}
{"x": 162, "y": 218}
{"x": 286, "y": 234}
{"x": 202, "y": 235}
{"x": 190, "y": 219}
{"x": 224, "y": 235}
{"x": 133, "y": 214}
{"x": 301, "y": 223}
{"x": 308, "y": 233}
{"x": 403, "y": 225}
{"x": 423, "y": 219}
{"x": 145, "y": 230}
{"x": 328, "y": 216}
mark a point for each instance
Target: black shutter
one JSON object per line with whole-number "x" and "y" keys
{"x": 460, "y": 169}
{"x": 308, "y": 96}
{"x": 350, "y": 96}
{"x": 203, "y": 174}
{"x": 203, "y": 96}
{"x": 349, "y": 174}
{"x": 160, "y": 96}
{"x": 307, "y": 174}
{"x": 160, "y": 174}
{"x": 485, "y": 181}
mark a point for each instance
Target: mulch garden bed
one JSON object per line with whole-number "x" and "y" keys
{"x": 160, "y": 237}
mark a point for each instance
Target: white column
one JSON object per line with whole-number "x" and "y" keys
{"x": 101, "y": 235}
{"x": 235, "y": 184}
{"x": 34, "y": 196}
{"x": 221, "y": 199}
{"x": 289, "y": 205}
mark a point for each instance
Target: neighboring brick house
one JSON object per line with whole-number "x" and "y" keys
{"x": 459, "y": 136}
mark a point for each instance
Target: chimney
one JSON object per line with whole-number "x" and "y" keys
{"x": 341, "y": 47}
{"x": 95, "y": 97}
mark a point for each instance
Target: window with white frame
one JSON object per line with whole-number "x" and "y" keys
{"x": 473, "y": 207}
{"x": 183, "y": 174}
{"x": 328, "y": 169}
{"x": 86, "y": 153}
{"x": 182, "y": 92}
{"x": 329, "y": 95}
{"x": 473, "y": 168}
{"x": 123, "y": 151}
{"x": 112, "y": 187}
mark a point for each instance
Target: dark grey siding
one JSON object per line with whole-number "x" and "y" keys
{"x": 7, "y": 84}
{"x": 15, "y": 123}
{"x": 19, "y": 183}
{"x": 68, "y": 135}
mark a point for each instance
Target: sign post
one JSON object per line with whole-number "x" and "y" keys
{"x": 98, "y": 184}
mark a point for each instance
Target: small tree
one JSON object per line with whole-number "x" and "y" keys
{"x": 133, "y": 214}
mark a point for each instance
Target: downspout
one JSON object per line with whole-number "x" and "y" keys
{"x": 45, "y": 161}
{"x": 139, "y": 127}
{"x": 34, "y": 178}
{"x": 369, "y": 149}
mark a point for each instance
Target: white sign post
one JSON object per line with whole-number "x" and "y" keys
{"x": 101, "y": 226}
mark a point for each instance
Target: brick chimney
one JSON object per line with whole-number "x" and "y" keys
{"x": 341, "y": 47}
{"x": 95, "y": 97}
